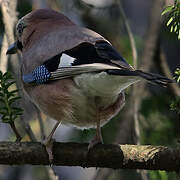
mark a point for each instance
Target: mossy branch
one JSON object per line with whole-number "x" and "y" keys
{"x": 109, "y": 156}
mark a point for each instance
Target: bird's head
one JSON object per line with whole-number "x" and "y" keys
{"x": 33, "y": 22}
{"x": 17, "y": 45}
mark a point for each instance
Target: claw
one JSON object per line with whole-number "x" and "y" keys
{"x": 49, "y": 148}
{"x": 48, "y": 142}
{"x": 96, "y": 140}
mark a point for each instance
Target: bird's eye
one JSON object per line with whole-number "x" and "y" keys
{"x": 20, "y": 31}
{"x": 20, "y": 28}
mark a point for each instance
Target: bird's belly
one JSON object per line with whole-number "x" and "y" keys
{"x": 94, "y": 98}
{"x": 64, "y": 101}
{"x": 87, "y": 109}
{"x": 102, "y": 84}
{"x": 98, "y": 91}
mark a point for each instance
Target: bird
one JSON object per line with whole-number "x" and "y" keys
{"x": 73, "y": 74}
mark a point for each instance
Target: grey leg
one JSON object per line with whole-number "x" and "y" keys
{"x": 98, "y": 137}
{"x": 48, "y": 142}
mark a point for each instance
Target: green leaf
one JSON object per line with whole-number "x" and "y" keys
{"x": 179, "y": 34}
{"x": 1, "y": 75}
{"x": 19, "y": 113}
{"x": 12, "y": 100}
{"x": 2, "y": 112}
{"x": 7, "y": 98}
{"x": 2, "y": 100}
{"x": 7, "y": 76}
{"x": 167, "y": 9}
{"x": 170, "y": 20}
{"x": 6, "y": 120}
{"x": 4, "y": 108}
{"x": 14, "y": 117}
{"x": 173, "y": 18}
{"x": 175, "y": 28}
{"x": 9, "y": 84}
{"x": 178, "y": 79}
{"x": 171, "y": 30}
{"x": 17, "y": 109}
{"x": 12, "y": 93}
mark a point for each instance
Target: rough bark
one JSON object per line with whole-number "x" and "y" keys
{"x": 9, "y": 17}
{"x": 75, "y": 154}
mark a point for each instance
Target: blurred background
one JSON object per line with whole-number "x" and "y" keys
{"x": 138, "y": 31}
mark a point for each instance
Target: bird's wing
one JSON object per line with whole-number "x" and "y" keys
{"x": 65, "y": 72}
{"x": 100, "y": 52}
{"x": 47, "y": 45}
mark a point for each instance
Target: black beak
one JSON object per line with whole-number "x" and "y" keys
{"x": 12, "y": 48}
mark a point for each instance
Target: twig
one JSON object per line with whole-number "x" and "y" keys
{"x": 28, "y": 129}
{"x": 135, "y": 88}
{"x": 8, "y": 9}
{"x": 51, "y": 173}
{"x": 9, "y": 20}
{"x": 135, "y": 95}
{"x": 110, "y": 156}
{"x": 165, "y": 68}
{"x": 3, "y": 57}
{"x": 18, "y": 137}
{"x": 130, "y": 34}
{"x": 150, "y": 44}
{"x": 41, "y": 124}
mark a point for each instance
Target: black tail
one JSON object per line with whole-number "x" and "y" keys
{"x": 153, "y": 78}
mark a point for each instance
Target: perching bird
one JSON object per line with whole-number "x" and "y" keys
{"x": 73, "y": 74}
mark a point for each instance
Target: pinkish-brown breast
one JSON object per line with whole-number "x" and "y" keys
{"x": 57, "y": 101}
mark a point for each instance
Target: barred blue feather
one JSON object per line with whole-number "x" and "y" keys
{"x": 39, "y": 75}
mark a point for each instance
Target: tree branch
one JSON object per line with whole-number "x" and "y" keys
{"x": 130, "y": 34}
{"x": 75, "y": 154}
{"x": 175, "y": 89}
{"x": 8, "y": 10}
{"x": 135, "y": 88}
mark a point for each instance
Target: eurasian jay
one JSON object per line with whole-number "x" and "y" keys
{"x": 73, "y": 74}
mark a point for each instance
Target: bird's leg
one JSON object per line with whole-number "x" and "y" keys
{"x": 48, "y": 142}
{"x": 98, "y": 137}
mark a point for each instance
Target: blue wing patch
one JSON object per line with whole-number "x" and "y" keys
{"x": 39, "y": 75}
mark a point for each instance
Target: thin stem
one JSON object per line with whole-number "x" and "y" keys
{"x": 28, "y": 129}
{"x": 130, "y": 34}
{"x": 175, "y": 89}
{"x": 48, "y": 139}
{"x": 18, "y": 137}
{"x": 41, "y": 124}
{"x": 135, "y": 56}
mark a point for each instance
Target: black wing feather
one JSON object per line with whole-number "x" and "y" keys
{"x": 101, "y": 52}
{"x": 87, "y": 53}
{"x": 151, "y": 77}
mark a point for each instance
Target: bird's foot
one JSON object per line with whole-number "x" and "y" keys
{"x": 96, "y": 140}
{"x": 49, "y": 148}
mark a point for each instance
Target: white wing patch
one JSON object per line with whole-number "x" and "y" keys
{"x": 66, "y": 60}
